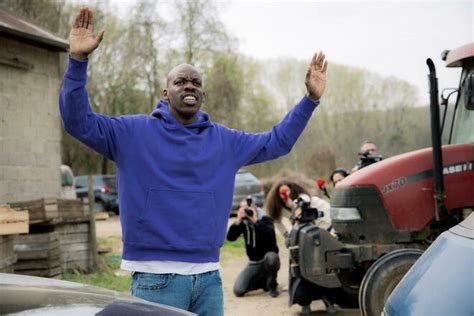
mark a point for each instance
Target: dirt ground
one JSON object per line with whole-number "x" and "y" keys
{"x": 255, "y": 302}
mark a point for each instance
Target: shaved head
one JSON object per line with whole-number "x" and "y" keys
{"x": 178, "y": 69}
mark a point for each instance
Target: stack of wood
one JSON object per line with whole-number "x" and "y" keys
{"x": 59, "y": 238}
{"x": 75, "y": 247}
{"x": 38, "y": 254}
{"x": 11, "y": 223}
{"x": 53, "y": 209}
{"x": 73, "y": 209}
{"x": 40, "y": 210}
{"x": 8, "y": 256}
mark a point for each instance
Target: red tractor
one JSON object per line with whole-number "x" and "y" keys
{"x": 388, "y": 213}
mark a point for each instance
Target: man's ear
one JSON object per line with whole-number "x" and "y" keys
{"x": 164, "y": 94}
{"x": 204, "y": 96}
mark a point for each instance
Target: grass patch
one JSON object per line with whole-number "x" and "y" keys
{"x": 112, "y": 242}
{"x": 106, "y": 280}
{"x": 232, "y": 249}
{"x": 106, "y": 277}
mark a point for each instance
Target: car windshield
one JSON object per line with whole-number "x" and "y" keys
{"x": 81, "y": 182}
{"x": 110, "y": 182}
{"x": 243, "y": 177}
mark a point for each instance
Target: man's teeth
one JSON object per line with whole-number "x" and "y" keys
{"x": 189, "y": 98}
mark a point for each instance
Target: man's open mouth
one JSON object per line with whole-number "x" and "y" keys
{"x": 190, "y": 99}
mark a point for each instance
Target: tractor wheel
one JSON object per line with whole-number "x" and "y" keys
{"x": 350, "y": 281}
{"x": 382, "y": 278}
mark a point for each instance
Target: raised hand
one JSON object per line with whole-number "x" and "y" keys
{"x": 81, "y": 39}
{"x": 316, "y": 76}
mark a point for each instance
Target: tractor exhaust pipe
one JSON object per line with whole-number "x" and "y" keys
{"x": 439, "y": 194}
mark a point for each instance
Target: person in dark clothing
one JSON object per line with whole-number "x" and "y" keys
{"x": 337, "y": 175}
{"x": 262, "y": 250}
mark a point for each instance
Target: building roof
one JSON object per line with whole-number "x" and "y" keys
{"x": 24, "y": 31}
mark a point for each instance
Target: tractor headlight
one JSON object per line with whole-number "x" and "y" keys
{"x": 345, "y": 214}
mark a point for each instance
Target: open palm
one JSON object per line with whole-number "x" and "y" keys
{"x": 81, "y": 39}
{"x": 316, "y": 76}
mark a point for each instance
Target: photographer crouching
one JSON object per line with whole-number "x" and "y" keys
{"x": 261, "y": 247}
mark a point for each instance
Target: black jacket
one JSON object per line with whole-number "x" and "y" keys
{"x": 259, "y": 237}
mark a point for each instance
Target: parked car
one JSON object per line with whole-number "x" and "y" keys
{"x": 68, "y": 188}
{"x": 105, "y": 190}
{"x": 246, "y": 184}
{"x": 441, "y": 282}
{"x": 27, "y": 295}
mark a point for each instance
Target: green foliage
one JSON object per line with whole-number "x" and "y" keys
{"x": 224, "y": 86}
{"x": 106, "y": 280}
{"x": 126, "y": 76}
{"x": 232, "y": 249}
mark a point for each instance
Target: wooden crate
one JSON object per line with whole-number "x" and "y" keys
{"x": 73, "y": 209}
{"x": 7, "y": 254}
{"x": 74, "y": 240}
{"x": 13, "y": 222}
{"x": 38, "y": 254}
{"x": 41, "y": 210}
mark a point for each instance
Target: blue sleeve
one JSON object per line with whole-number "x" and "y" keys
{"x": 252, "y": 148}
{"x": 97, "y": 131}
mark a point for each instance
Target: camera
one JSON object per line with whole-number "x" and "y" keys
{"x": 366, "y": 159}
{"x": 308, "y": 214}
{"x": 248, "y": 210}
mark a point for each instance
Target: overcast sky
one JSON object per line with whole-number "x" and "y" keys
{"x": 391, "y": 38}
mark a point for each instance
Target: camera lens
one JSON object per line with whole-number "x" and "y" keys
{"x": 249, "y": 212}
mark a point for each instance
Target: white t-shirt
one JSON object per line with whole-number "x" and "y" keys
{"x": 162, "y": 267}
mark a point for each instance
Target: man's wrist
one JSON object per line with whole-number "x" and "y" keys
{"x": 80, "y": 57}
{"x": 312, "y": 97}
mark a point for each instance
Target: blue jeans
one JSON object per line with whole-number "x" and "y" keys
{"x": 198, "y": 293}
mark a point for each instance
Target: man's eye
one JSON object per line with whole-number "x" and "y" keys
{"x": 179, "y": 82}
{"x": 197, "y": 83}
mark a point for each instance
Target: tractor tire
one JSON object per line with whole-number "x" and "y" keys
{"x": 382, "y": 277}
{"x": 350, "y": 285}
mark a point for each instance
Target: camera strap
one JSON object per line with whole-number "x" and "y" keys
{"x": 251, "y": 236}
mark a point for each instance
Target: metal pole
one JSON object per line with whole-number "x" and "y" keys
{"x": 439, "y": 194}
{"x": 92, "y": 234}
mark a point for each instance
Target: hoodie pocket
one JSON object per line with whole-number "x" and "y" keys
{"x": 181, "y": 219}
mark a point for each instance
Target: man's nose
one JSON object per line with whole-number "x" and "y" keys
{"x": 189, "y": 85}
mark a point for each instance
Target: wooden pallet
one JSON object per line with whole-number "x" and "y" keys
{"x": 45, "y": 209}
{"x": 73, "y": 209}
{"x": 74, "y": 239}
{"x": 13, "y": 222}
{"x": 38, "y": 254}
{"x": 7, "y": 255}
{"x": 53, "y": 209}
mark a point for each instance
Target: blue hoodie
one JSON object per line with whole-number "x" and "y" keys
{"x": 175, "y": 181}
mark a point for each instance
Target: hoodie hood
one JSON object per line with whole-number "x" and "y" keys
{"x": 162, "y": 112}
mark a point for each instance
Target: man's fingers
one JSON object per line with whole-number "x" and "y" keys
{"x": 319, "y": 60}
{"x": 313, "y": 60}
{"x": 86, "y": 18}
{"x": 100, "y": 37}
{"x": 77, "y": 18}
{"x": 325, "y": 66}
{"x": 91, "y": 19}
{"x": 81, "y": 18}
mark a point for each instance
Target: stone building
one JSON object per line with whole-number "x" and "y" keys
{"x": 30, "y": 128}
